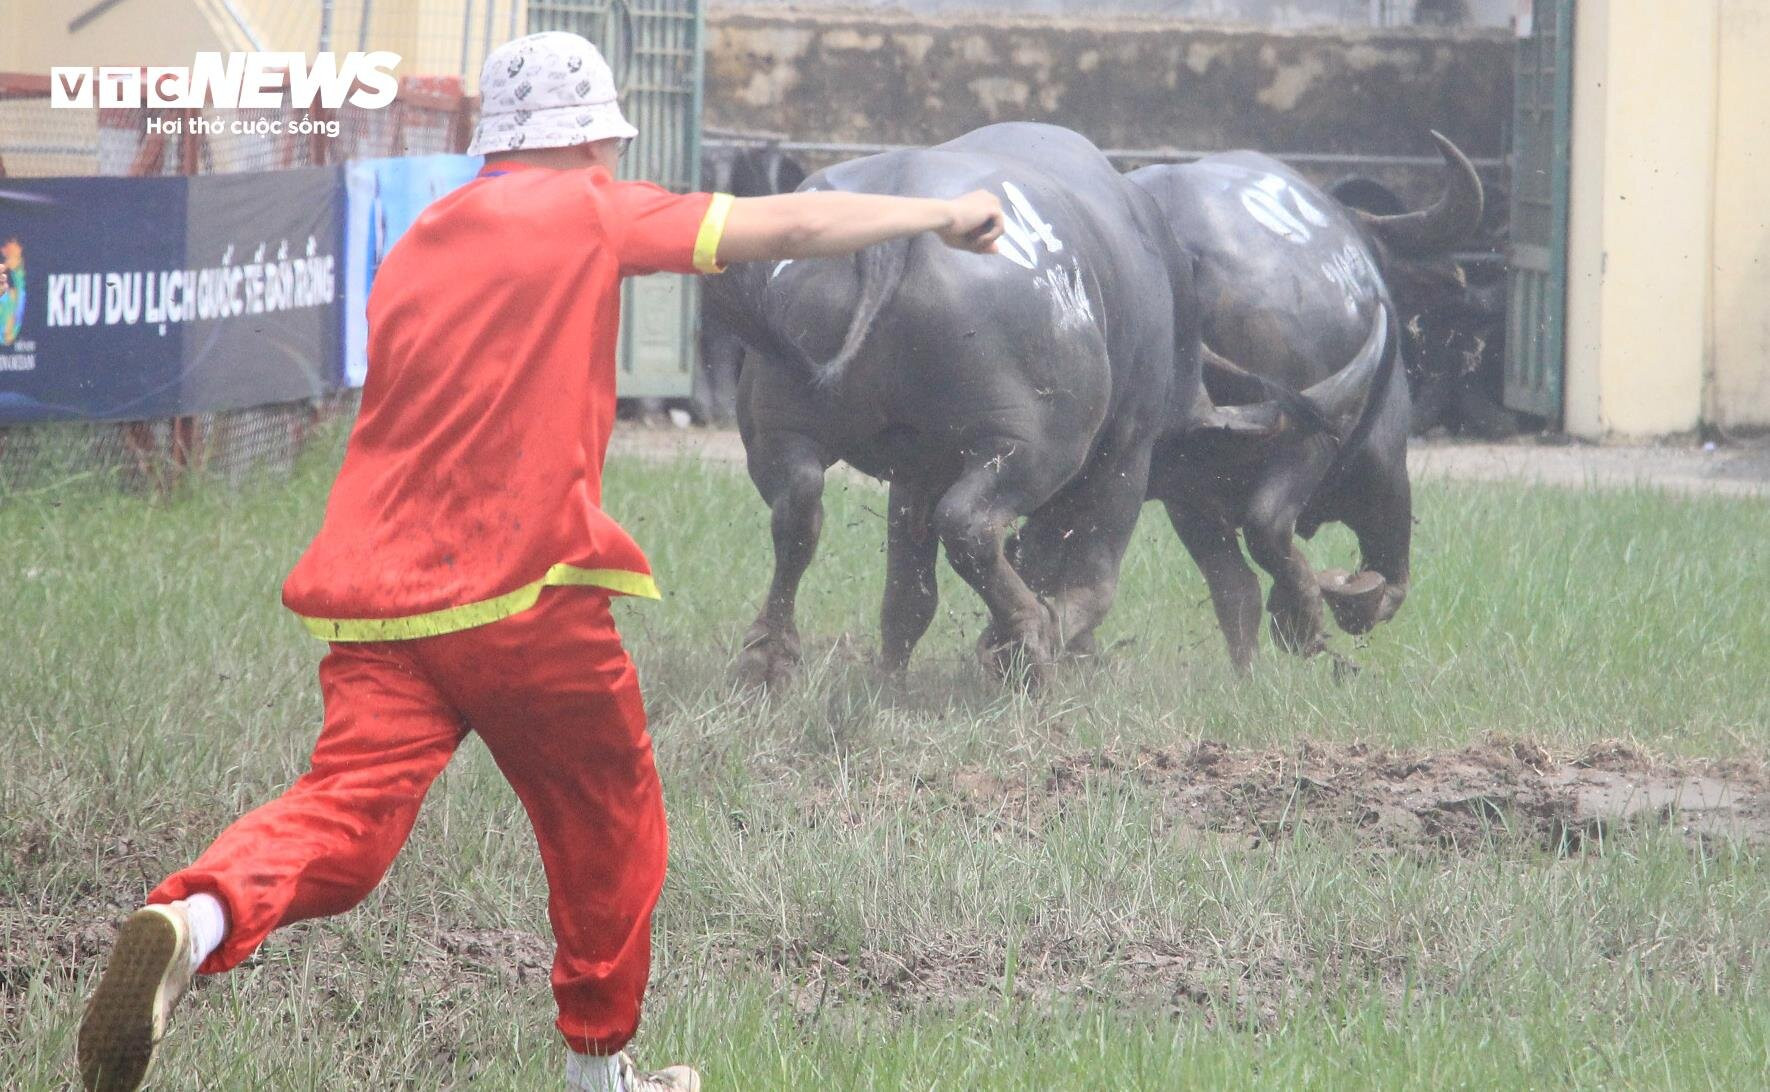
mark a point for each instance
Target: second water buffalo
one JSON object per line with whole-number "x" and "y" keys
{"x": 1294, "y": 284}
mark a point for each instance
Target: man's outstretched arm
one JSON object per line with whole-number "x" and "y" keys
{"x": 828, "y": 224}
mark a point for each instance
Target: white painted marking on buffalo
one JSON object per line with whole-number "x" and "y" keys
{"x": 1024, "y": 230}
{"x": 1280, "y": 209}
{"x": 1352, "y": 274}
{"x": 1070, "y": 306}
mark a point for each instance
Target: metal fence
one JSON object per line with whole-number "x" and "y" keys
{"x": 430, "y": 115}
{"x": 654, "y": 46}
{"x": 450, "y": 38}
{"x": 153, "y": 456}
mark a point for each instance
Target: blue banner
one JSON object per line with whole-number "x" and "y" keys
{"x": 133, "y": 298}
{"x": 85, "y": 330}
{"x": 385, "y": 198}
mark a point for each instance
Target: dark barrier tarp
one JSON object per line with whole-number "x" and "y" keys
{"x": 132, "y": 298}
{"x": 279, "y": 237}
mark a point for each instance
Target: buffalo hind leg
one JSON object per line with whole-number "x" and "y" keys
{"x": 1071, "y": 549}
{"x": 995, "y": 488}
{"x": 911, "y": 596}
{"x": 1235, "y": 590}
{"x": 1270, "y": 529}
{"x": 716, "y": 380}
{"x": 788, "y": 470}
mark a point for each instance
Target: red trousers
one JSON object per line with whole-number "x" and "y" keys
{"x": 556, "y": 700}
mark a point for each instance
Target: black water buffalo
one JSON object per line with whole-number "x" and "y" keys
{"x": 1032, "y": 383}
{"x": 742, "y": 171}
{"x": 1293, "y": 283}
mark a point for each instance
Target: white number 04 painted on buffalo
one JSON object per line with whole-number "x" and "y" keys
{"x": 1024, "y": 230}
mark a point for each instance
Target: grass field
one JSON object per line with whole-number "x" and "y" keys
{"x": 1152, "y": 876}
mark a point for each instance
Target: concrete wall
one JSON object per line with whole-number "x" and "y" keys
{"x": 1669, "y": 252}
{"x": 897, "y": 79}
{"x": 1263, "y": 13}
{"x": 1128, "y": 84}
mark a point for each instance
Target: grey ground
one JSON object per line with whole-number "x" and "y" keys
{"x": 1735, "y": 469}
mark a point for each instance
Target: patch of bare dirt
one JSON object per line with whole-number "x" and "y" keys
{"x": 52, "y": 936}
{"x": 506, "y": 956}
{"x": 1456, "y": 800}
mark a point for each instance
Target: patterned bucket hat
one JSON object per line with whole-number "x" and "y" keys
{"x": 548, "y": 90}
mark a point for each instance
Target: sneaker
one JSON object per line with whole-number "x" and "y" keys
{"x": 150, "y": 969}
{"x": 678, "y": 1078}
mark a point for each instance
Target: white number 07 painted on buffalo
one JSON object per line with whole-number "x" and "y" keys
{"x": 1023, "y": 230}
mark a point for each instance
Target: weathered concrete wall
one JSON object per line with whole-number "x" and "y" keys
{"x": 1266, "y": 13}
{"x": 1129, "y": 83}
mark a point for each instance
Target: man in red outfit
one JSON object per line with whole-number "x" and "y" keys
{"x": 464, "y": 568}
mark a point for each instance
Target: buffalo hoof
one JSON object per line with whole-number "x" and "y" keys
{"x": 769, "y": 660}
{"x": 1082, "y": 647}
{"x": 1296, "y": 626}
{"x": 1025, "y": 656}
{"x": 1356, "y": 598}
{"x": 891, "y": 675}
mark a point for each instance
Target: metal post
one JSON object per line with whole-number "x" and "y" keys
{"x": 362, "y": 26}
{"x": 466, "y": 35}
{"x": 239, "y": 21}
{"x": 325, "y": 25}
{"x": 486, "y": 39}
{"x": 513, "y": 4}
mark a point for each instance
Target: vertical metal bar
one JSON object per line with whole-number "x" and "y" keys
{"x": 696, "y": 112}
{"x": 485, "y": 42}
{"x": 325, "y": 25}
{"x": 362, "y": 26}
{"x": 691, "y": 302}
{"x": 466, "y": 35}
{"x": 1560, "y": 180}
{"x": 512, "y": 30}
{"x": 240, "y": 22}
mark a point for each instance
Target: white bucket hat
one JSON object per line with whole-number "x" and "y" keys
{"x": 548, "y": 90}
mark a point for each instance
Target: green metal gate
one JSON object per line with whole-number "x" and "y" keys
{"x": 655, "y": 50}
{"x": 1536, "y": 322}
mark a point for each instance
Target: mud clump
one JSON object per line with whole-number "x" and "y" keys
{"x": 1459, "y": 801}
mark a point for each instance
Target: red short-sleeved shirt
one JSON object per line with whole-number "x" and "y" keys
{"x": 473, "y": 475}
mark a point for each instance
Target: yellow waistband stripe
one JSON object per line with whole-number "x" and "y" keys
{"x": 452, "y": 619}
{"x": 706, "y": 241}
